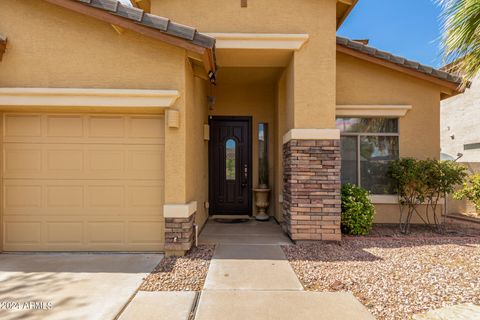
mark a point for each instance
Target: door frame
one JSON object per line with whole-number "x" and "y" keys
{"x": 249, "y": 120}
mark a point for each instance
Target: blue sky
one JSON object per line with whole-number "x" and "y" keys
{"x": 408, "y": 28}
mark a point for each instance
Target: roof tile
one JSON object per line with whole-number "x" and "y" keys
{"x": 109, "y": 5}
{"x": 130, "y": 12}
{"x": 387, "y": 56}
{"x": 149, "y": 20}
{"x": 181, "y": 31}
{"x": 156, "y": 22}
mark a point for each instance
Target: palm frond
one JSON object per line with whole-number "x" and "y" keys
{"x": 461, "y": 35}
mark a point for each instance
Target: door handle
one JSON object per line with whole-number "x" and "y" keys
{"x": 245, "y": 176}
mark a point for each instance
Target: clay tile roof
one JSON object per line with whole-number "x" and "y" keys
{"x": 152, "y": 21}
{"x": 387, "y": 56}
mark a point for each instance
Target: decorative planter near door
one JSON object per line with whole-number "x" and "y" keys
{"x": 262, "y": 203}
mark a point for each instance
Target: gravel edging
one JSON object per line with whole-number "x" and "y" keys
{"x": 393, "y": 278}
{"x": 187, "y": 273}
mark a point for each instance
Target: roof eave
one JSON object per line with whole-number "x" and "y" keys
{"x": 449, "y": 88}
{"x": 207, "y": 48}
{"x": 351, "y": 4}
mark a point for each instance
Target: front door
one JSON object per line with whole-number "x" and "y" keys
{"x": 230, "y": 183}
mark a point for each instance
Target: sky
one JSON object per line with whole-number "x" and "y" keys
{"x": 408, "y": 28}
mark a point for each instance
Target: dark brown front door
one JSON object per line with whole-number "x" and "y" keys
{"x": 230, "y": 165}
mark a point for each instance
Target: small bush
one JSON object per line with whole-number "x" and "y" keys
{"x": 470, "y": 190}
{"x": 419, "y": 182}
{"x": 357, "y": 211}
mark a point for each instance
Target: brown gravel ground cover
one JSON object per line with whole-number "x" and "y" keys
{"x": 416, "y": 231}
{"x": 393, "y": 277}
{"x": 185, "y": 273}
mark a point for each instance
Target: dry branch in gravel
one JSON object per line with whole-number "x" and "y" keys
{"x": 185, "y": 273}
{"x": 394, "y": 279}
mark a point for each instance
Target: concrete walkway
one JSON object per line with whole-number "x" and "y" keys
{"x": 160, "y": 305}
{"x": 250, "y": 267}
{"x": 280, "y": 305}
{"x": 251, "y": 232}
{"x": 70, "y": 285}
{"x": 249, "y": 278}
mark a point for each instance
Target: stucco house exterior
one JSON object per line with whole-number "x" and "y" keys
{"x": 460, "y": 121}
{"x": 126, "y": 124}
{"x": 460, "y": 136}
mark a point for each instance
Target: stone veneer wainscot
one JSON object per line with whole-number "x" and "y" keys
{"x": 311, "y": 189}
{"x": 179, "y": 234}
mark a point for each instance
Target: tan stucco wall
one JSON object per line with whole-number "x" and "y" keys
{"x": 250, "y": 100}
{"x": 280, "y": 129}
{"x": 388, "y": 214}
{"x": 364, "y": 83}
{"x": 53, "y": 47}
{"x": 314, "y": 64}
{"x": 49, "y": 46}
{"x": 283, "y": 123}
{"x": 197, "y": 146}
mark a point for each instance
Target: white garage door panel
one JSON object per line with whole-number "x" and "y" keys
{"x": 83, "y": 182}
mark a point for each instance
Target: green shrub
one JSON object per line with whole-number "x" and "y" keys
{"x": 419, "y": 182}
{"x": 470, "y": 190}
{"x": 357, "y": 211}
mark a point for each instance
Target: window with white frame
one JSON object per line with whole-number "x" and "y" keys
{"x": 368, "y": 146}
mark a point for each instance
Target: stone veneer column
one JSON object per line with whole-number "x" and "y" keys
{"x": 179, "y": 228}
{"x": 311, "y": 185}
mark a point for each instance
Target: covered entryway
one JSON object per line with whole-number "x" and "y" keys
{"x": 82, "y": 182}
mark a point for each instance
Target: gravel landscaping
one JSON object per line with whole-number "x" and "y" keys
{"x": 185, "y": 273}
{"x": 423, "y": 231}
{"x": 394, "y": 278}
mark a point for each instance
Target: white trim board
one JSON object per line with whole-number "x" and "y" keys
{"x": 179, "y": 210}
{"x": 373, "y": 110}
{"x": 312, "y": 134}
{"x": 271, "y": 41}
{"x": 76, "y": 97}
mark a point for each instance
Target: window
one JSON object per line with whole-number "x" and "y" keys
{"x": 263, "y": 154}
{"x": 368, "y": 146}
{"x": 230, "y": 167}
{"x": 471, "y": 146}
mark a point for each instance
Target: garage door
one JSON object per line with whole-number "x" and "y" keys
{"x": 83, "y": 182}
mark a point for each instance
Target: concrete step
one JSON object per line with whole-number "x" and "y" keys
{"x": 250, "y": 267}
{"x": 280, "y": 305}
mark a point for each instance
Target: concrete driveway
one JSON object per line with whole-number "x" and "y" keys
{"x": 70, "y": 286}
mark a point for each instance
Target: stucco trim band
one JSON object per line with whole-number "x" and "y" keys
{"x": 179, "y": 210}
{"x": 271, "y": 41}
{"x": 73, "y": 97}
{"x": 391, "y": 199}
{"x": 373, "y": 110}
{"x": 311, "y": 134}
